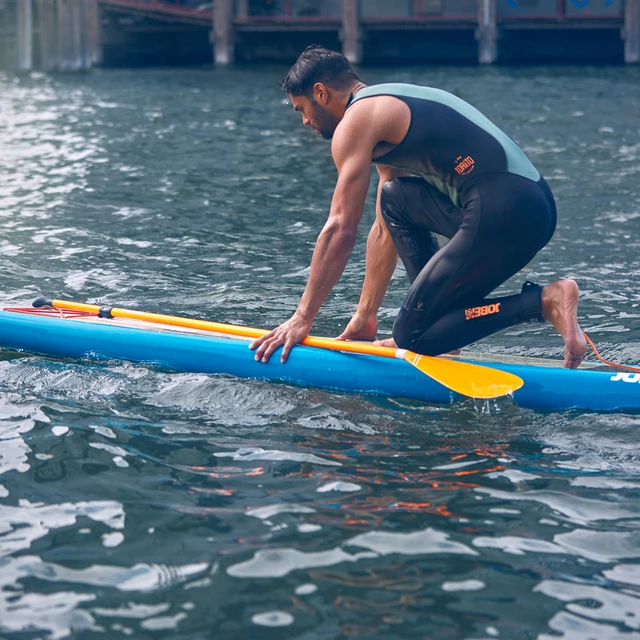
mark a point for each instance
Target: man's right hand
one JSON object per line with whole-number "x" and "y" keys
{"x": 361, "y": 327}
{"x": 289, "y": 334}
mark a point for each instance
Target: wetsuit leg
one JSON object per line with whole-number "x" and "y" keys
{"x": 413, "y": 211}
{"x": 505, "y": 221}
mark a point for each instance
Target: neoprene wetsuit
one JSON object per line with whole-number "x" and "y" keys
{"x": 475, "y": 186}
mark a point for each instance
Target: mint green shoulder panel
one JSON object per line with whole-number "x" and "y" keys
{"x": 517, "y": 161}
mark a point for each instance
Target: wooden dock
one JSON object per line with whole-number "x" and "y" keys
{"x": 74, "y": 35}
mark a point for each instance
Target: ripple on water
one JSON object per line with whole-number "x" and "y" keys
{"x": 23, "y": 524}
{"x": 272, "y": 619}
{"x": 257, "y": 453}
{"x": 225, "y": 401}
{"x": 59, "y": 613}
{"x": 610, "y": 607}
{"x": 576, "y": 509}
{"x": 14, "y": 450}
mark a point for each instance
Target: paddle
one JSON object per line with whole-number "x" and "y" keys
{"x": 464, "y": 378}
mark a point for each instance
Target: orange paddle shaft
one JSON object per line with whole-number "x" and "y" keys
{"x": 217, "y": 327}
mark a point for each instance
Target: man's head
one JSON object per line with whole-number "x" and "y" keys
{"x": 318, "y": 85}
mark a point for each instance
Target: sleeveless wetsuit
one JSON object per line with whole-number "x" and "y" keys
{"x": 475, "y": 186}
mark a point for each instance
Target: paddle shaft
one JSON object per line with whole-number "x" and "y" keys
{"x": 217, "y": 327}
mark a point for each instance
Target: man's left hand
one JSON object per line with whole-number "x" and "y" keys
{"x": 361, "y": 327}
{"x": 289, "y": 334}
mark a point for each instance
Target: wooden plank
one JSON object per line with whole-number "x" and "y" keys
{"x": 160, "y": 11}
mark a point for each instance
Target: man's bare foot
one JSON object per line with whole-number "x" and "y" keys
{"x": 560, "y": 308}
{"x": 389, "y": 342}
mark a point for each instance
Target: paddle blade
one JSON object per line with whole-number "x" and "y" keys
{"x": 465, "y": 378}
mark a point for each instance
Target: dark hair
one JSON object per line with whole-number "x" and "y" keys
{"x": 317, "y": 64}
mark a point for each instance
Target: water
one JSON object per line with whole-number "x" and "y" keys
{"x": 140, "y": 503}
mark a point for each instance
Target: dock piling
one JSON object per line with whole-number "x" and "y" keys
{"x": 631, "y": 31}
{"x": 350, "y": 34}
{"x": 25, "y": 36}
{"x": 93, "y": 44}
{"x": 48, "y": 35}
{"x": 69, "y": 34}
{"x": 64, "y": 35}
{"x": 487, "y": 32}
{"x": 242, "y": 9}
{"x": 223, "y": 32}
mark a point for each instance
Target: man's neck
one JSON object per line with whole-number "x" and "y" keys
{"x": 352, "y": 92}
{"x": 357, "y": 86}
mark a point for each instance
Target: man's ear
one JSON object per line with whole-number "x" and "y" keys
{"x": 320, "y": 93}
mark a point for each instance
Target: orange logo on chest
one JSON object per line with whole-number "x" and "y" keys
{"x": 464, "y": 166}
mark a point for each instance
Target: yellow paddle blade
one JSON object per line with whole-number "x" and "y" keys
{"x": 465, "y": 378}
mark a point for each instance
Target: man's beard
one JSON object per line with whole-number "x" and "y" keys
{"x": 326, "y": 122}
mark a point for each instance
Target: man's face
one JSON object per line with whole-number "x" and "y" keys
{"x": 314, "y": 115}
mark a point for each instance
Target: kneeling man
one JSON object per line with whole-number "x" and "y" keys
{"x": 446, "y": 169}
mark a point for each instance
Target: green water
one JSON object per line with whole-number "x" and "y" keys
{"x": 140, "y": 503}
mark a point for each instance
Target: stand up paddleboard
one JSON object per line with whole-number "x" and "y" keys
{"x": 543, "y": 384}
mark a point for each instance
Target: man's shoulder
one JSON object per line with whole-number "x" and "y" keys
{"x": 400, "y": 90}
{"x": 380, "y": 107}
{"x": 369, "y": 122}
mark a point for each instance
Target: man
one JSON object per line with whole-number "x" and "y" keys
{"x": 444, "y": 168}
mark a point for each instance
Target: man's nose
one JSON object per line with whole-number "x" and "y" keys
{"x": 305, "y": 121}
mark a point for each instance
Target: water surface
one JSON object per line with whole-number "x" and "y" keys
{"x": 141, "y": 503}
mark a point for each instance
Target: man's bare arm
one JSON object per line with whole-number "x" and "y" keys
{"x": 352, "y": 150}
{"x": 381, "y": 259}
{"x": 338, "y": 236}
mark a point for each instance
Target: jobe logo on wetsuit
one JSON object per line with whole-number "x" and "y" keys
{"x": 478, "y": 312}
{"x": 464, "y": 166}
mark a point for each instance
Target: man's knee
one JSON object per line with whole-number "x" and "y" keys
{"x": 393, "y": 201}
{"x": 403, "y": 332}
{"x": 417, "y": 339}
{"x": 412, "y": 330}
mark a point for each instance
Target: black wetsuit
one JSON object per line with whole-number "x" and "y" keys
{"x": 475, "y": 186}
